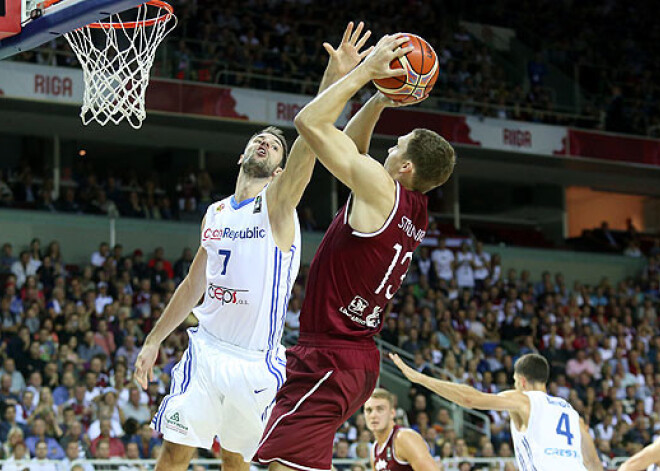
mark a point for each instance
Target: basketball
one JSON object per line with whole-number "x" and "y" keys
{"x": 419, "y": 71}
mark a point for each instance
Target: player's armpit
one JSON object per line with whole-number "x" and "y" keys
{"x": 366, "y": 177}
{"x": 410, "y": 446}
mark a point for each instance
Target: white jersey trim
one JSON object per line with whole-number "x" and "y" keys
{"x": 394, "y": 449}
{"x": 295, "y": 408}
{"x": 387, "y": 222}
{"x": 293, "y": 465}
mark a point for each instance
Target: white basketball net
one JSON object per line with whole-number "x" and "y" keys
{"x": 116, "y": 56}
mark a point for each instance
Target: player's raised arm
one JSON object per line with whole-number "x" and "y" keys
{"x": 361, "y": 126}
{"x": 185, "y": 297}
{"x": 285, "y": 192}
{"x": 642, "y": 459}
{"x": 338, "y": 152}
{"x": 589, "y": 454}
{"x": 467, "y": 396}
{"x": 411, "y": 447}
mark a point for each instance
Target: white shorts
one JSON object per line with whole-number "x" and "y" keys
{"x": 220, "y": 390}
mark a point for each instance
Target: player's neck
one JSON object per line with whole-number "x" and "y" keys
{"x": 248, "y": 187}
{"x": 381, "y": 437}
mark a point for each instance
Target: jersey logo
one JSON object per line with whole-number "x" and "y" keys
{"x": 356, "y": 309}
{"x": 257, "y": 205}
{"x": 220, "y": 207}
{"x": 381, "y": 465}
{"x": 226, "y": 295}
{"x": 358, "y": 305}
{"x": 257, "y": 391}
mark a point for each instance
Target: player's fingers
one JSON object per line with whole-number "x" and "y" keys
{"x": 347, "y": 33}
{"x": 331, "y": 51}
{"x": 395, "y": 72}
{"x": 363, "y": 40}
{"x": 357, "y": 32}
{"x": 402, "y": 51}
{"x": 366, "y": 52}
{"x": 139, "y": 376}
{"x": 399, "y": 40}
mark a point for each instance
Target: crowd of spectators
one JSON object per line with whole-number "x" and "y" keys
{"x": 71, "y": 334}
{"x": 277, "y": 45}
{"x": 116, "y": 194}
{"x": 618, "y": 76}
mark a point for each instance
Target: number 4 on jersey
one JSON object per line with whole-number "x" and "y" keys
{"x": 564, "y": 428}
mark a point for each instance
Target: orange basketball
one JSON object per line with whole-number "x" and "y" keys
{"x": 419, "y": 71}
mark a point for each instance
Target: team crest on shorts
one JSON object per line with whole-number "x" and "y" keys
{"x": 173, "y": 422}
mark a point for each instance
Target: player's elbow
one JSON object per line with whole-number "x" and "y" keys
{"x": 303, "y": 122}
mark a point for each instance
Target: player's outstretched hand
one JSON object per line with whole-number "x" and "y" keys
{"x": 348, "y": 55}
{"x": 390, "y": 47}
{"x": 144, "y": 365}
{"x": 412, "y": 375}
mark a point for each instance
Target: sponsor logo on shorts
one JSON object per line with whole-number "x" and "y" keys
{"x": 356, "y": 310}
{"x": 226, "y": 295}
{"x": 173, "y": 422}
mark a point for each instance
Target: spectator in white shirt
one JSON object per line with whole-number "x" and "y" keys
{"x": 464, "y": 267}
{"x": 424, "y": 262}
{"x": 134, "y": 409}
{"x": 292, "y": 319}
{"x": 481, "y": 266}
{"x": 22, "y": 268}
{"x": 40, "y": 462}
{"x": 605, "y": 429}
{"x": 443, "y": 260}
{"x": 98, "y": 258}
{"x": 102, "y": 298}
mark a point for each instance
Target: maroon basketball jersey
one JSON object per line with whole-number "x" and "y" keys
{"x": 385, "y": 459}
{"x": 354, "y": 275}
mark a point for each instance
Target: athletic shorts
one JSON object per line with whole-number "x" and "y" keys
{"x": 327, "y": 381}
{"x": 220, "y": 390}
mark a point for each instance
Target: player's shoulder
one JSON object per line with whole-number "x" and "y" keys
{"x": 406, "y": 436}
{"x": 408, "y": 443}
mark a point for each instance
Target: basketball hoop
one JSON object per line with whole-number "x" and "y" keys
{"x": 116, "y": 55}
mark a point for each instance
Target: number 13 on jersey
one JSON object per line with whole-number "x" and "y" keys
{"x": 389, "y": 294}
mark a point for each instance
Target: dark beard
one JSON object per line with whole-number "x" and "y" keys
{"x": 256, "y": 169}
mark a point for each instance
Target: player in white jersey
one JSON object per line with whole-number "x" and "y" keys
{"x": 548, "y": 435}
{"x": 226, "y": 381}
{"x": 646, "y": 459}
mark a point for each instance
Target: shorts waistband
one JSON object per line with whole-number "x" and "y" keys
{"x": 325, "y": 340}
{"x": 237, "y": 350}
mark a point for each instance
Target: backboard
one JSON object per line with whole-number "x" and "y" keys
{"x": 25, "y": 24}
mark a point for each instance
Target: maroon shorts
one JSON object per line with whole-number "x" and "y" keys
{"x": 327, "y": 381}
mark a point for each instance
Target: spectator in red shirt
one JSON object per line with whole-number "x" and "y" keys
{"x": 116, "y": 447}
{"x": 167, "y": 266}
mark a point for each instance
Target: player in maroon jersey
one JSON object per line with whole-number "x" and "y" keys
{"x": 396, "y": 448}
{"x": 358, "y": 267}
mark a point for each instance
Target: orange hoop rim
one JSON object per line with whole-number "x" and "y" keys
{"x": 169, "y": 12}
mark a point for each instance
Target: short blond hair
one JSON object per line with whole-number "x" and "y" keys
{"x": 380, "y": 393}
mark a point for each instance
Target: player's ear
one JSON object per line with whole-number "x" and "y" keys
{"x": 406, "y": 167}
{"x": 240, "y": 159}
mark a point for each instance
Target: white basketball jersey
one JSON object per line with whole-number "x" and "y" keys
{"x": 248, "y": 278}
{"x": 553, "y": 440}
